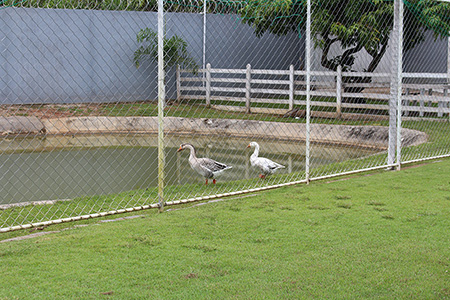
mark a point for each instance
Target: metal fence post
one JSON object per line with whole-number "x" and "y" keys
{"x": 339, "y": 92}
{"x": 208, "y": 85}
{"x": 395, "y": 75}
{"x": 399, "y": 56}
{"x": 446, "y": 104}
{"x": 248, "y": 78}
{"x": 161, "y": 98}
{"x": 204, "y": 39}
{"x": 308, "y": 88}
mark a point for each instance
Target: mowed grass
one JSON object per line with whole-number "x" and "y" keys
{"x": 383, "y": 236}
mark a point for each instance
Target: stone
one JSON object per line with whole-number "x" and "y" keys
{"x": 21, "y": 125}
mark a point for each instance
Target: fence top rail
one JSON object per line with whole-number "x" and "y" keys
{"x": 415, "y": 86}
{"x": 228, "y": 71}
{"x": 366, "y": 74}
{"x": 270, "y": 72}
{"x": 426, "y": 75}
{"x": 318, "y": 73}
{"x": 253, "y": 71}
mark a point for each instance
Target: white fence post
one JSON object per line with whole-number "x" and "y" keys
{"x": 339, "y": 92}
{"x": 430, "y": 93}
{"x": 248, "y": 78}
{"x": 443, "y": 104}
{"x": 421, "y": 102}
{"x": 208, "y": 85}
{"x": 291, "y": 87}
{"x": 178, "y": 83}
{"x": 406, "y": 102}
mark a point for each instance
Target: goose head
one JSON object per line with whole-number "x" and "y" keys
{"x": 184, "y": 146}
{"x": 253, "y": 144}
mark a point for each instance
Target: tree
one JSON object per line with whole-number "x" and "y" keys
{"x": 354, "y": 25}
{"x": 175, "y": 50}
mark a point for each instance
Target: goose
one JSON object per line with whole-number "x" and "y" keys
{"x": 206, "y": 167}
{"x": 266, "y": 165}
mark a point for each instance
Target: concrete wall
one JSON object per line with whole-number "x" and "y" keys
{"x": 430, "y": 56}
{"x": 56, "y": 56}
{"x": 72, "y": 56}
{"x": 427, "y": 57}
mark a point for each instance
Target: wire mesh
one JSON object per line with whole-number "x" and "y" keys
{"x": 426, "y": 78}
{"x": 79, "y": 99}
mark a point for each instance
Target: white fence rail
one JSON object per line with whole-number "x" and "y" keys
{"x": 337, "y": 90}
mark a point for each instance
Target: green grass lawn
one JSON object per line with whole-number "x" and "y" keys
{"x": 383, "y": 236}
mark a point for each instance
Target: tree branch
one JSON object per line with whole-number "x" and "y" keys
{"x": 349, "y": 52}
{"x": 378, "y": 56}
{"x": 324, "y": 60}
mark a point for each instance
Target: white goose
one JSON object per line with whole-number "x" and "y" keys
{"x": 266, "y": 165}
{"x": 206, "y": 167}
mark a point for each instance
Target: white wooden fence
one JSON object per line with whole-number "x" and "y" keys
{"x": 251, "y": 86}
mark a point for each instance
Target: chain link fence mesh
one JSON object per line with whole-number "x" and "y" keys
{"x": 79, "y": 92}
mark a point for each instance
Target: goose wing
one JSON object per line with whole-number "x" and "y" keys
{"x": 266, "y": 165}
{"x": 212, "y": 165}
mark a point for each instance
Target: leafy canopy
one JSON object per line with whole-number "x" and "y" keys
{"x": 353, "y": 25}
{"x": 175, "y": 50}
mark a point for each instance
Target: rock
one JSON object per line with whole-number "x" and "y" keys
{"x": 20, "y": 125}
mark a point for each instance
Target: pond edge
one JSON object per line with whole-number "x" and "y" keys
{"x": 348, "y": 135}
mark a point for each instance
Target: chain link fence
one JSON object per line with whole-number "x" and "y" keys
{"x": 110, "y": 107}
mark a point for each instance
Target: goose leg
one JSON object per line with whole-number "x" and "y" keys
{"x": 214, "y": 181}
{"x": 206, "y": 182}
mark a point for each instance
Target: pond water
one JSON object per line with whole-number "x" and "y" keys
{"x": 65, "y": 167}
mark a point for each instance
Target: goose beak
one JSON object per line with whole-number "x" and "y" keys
{"x": 180, "y": 149}
{"x": 248, "y": 146}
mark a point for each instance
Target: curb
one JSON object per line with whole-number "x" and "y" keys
{"x": 363, "y": 136}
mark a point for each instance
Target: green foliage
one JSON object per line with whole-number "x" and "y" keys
{"x": 131, "y": 5}
{"x": 279, "y": 16}
{"x": 353, "y": 25}
{"x": 434, "y": 15}
{"x": 175, "y": 50}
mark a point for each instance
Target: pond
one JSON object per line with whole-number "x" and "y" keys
{"x": 65, "y": 167}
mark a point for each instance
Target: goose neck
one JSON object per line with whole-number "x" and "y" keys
{"x": 256, "y": 152}
{"x": 193, "y": 153}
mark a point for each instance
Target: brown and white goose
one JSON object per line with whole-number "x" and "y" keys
{"x": 206, "y": 167}
{"x": 266, "y": 165}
